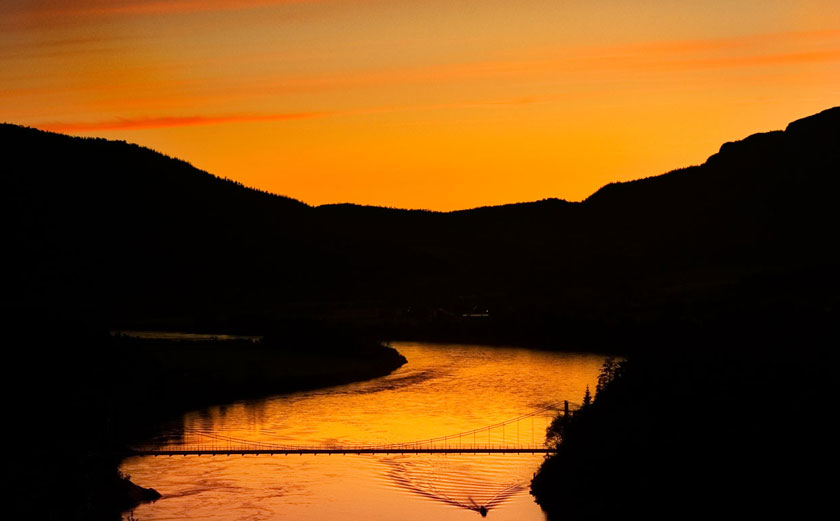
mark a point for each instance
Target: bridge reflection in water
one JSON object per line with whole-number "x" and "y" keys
{"x": 522, "y": 441}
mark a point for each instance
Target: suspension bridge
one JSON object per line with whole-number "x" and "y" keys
{"x": 514, "y": 436}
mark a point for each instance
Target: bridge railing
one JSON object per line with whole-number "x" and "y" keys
{"x": 465, "y": 440}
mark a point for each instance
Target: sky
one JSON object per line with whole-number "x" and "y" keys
{"x": 437, "y": 104}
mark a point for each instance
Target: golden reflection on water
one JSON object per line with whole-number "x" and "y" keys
{"x": 442, "y": 390}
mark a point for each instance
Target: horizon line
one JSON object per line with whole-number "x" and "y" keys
{"x": 377, "y": 206}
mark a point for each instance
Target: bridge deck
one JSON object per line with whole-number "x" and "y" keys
{"x": 449, "y": 450}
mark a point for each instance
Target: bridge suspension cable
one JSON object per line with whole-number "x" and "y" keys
{"x": 230, "y": 444}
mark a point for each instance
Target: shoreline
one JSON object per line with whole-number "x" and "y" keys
{"x": 390, "y": 361}
{"x": 642, "y": 436}
{"x": 104, "y": 393}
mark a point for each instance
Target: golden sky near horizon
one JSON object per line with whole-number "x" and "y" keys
{"x": 420, "y": 103}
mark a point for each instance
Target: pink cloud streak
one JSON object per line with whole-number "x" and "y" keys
{"x": 173, "y": 121}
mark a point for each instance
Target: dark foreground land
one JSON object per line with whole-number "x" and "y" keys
{"x": 719, "y": 282}
{"x": 722, "y": 423}
{"x": 724, "y": 407}
{"x": 82, "y": 395}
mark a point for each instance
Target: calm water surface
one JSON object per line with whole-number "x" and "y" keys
{"x": 443, "y": 389}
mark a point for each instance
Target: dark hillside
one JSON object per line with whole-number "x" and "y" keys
{"x": 724, "y": 407}
{"x": 97, "y": 224}
{"x": 111, "y": 227}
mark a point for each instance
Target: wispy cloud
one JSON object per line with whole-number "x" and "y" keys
{"x": 139, "y": 7}
{"x": 172, "y": 121}
{"x": 665, "y": 61}
{"x": 724, "y": 44}
{"x": 196, "y": 120}
{"x": 790, "y": 58}
{"x": 583, "y": 62}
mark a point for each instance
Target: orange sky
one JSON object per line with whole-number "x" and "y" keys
{"x": 439, "y": 104}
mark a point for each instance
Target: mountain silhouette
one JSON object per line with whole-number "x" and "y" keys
{"x": 722, "y": 407}
{"x": 111, "y": 228}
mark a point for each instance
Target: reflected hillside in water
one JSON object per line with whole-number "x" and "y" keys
{"x": 443, "y": 389}
{"x": 439, "y": 381}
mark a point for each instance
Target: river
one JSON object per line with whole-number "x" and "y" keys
{"x": 443, "y": 389}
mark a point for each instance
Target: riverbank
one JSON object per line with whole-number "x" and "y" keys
{"x": 734, "y": 421}
{"x": 442, "y": 390}
{"x": 84, "y": 395}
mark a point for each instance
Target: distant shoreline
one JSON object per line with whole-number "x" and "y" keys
{"x": 135, "y": 494}
{"x": 113, "y": 391}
